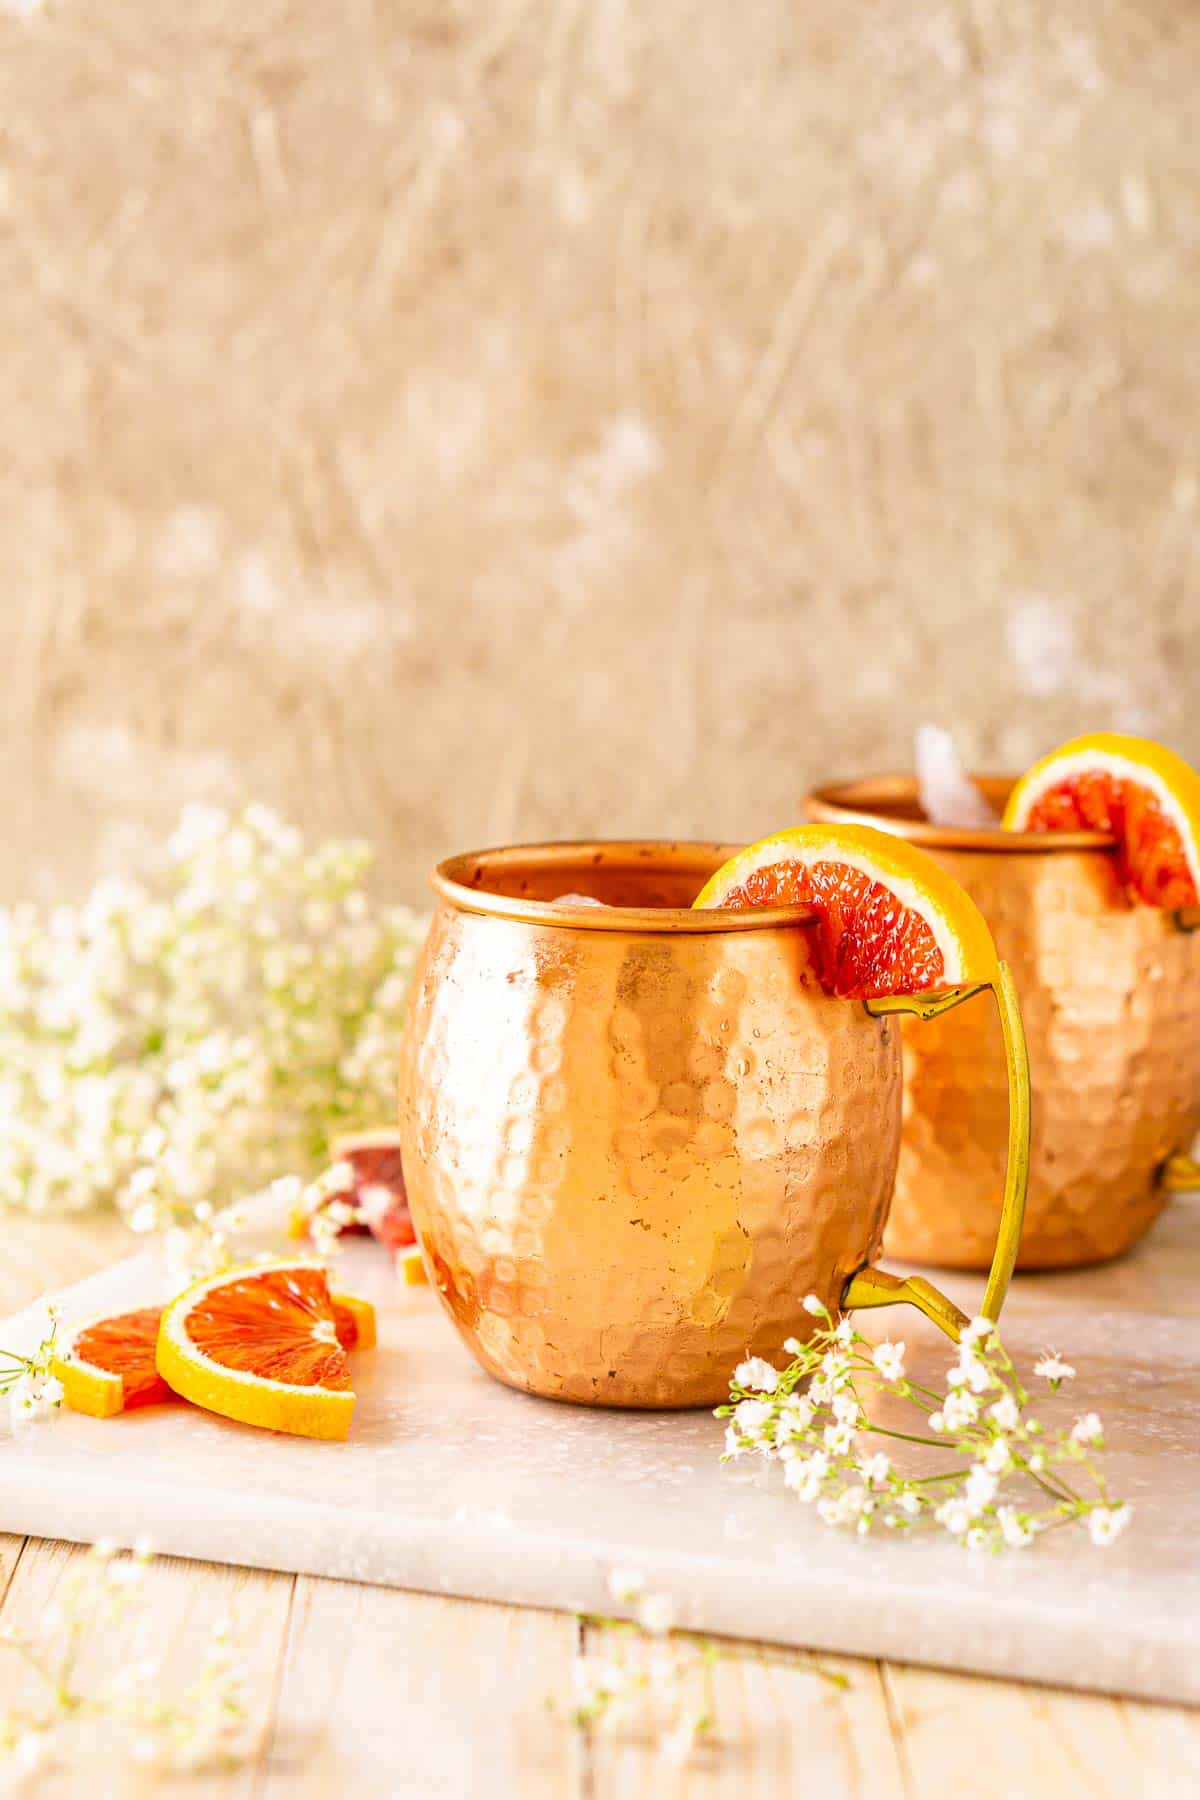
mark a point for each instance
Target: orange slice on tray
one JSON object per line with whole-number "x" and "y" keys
{"x": 1143, "y": 795}
{"x": 266, "y": 1345}
{"x": 888, "y": 919}
{"x": 106, "y": 1366}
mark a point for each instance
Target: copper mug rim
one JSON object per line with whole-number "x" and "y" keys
{"x": 889, "y": 803}
{"x": 464, "y": 882}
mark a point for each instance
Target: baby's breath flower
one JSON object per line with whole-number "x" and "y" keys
{"x": 812, "y": 1430}
{"x": 176, "y": 1037}
{"x": 980, "y": 1488}
{"x": 998, "y": 1456}
{"x": 31, "y": 1389}
{"x": 663, "y": 1686}
{"x": 959, "y": 1409}
{"x": 751, "y": 1416}
{"x": 795, "y": 1415}
{"x": 979, "y": 1376}
{"x": 677, "y": 1744}
{"x": 625, "y": 1584}
{"x": 757, "y": 1373}
{"x": 955, "y": 1514}
{"x": 969, "y": 1372}
{"x": 1005, "y": 1412}
{"x": 807, "y": 1473}
{"x": 1107, "y": 1522}
{"x": 1053, "y": 1369}
{"x": 1013, "y": 1528}
{"x": 817, "y": 1307}
{"x": 889, "y": 1360}
{"x": 838, "y": 1438}
{"x": 656, "y": 1614}
{"x": 29, "y": 1752}
{"x": 203, "y": 1728}
{"x": 845, "y": 1408}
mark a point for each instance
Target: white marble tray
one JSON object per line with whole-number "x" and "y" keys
{"x": 453, "y": 1484}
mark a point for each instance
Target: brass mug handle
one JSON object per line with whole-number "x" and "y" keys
{"x": 876, "y": 1287}
{"x": 1180, "y": 1173}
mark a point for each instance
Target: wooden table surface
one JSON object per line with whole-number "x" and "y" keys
{"x": 376, "y": 1692}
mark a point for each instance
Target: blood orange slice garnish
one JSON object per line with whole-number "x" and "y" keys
{"x": 1141, "y": 794}
{"x": 106, "y": 1365}
{"x": 263, "y": 1344}
{"x": 888, "y": 920}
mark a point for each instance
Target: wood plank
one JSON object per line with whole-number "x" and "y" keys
{"x": 387, "y": 1693}
{"x": 1039, "y": 1742}
{"x": 10, "y": 1549}
{"x": 781, "y": 1730}
{"x": 171, "y": 1625}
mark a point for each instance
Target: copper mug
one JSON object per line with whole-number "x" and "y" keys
{"x": 1110, "y": 992}
{"x": 636, "y": 1136}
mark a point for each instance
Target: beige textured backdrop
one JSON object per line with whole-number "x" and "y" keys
{"x": 455, "y": 421}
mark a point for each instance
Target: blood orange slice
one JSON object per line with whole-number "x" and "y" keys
{"x": 1143, "y": 795}
{"x": 888, "y": 919}
{"x": 106, "y": 1365}
{"x": 264, "y": 1345}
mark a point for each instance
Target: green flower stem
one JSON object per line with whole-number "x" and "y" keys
{"x": 908, "y": 1437}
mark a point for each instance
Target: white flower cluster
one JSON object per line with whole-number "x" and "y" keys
{"x": 127, "y": 1714}
{"x": 179, "y": 1039}
{"x": 648, "y": 1679}
{"x": 812, "y": 1418}
{"x": 326, "y": 1211}
{"x": 31, "y": 1389}
{"x": 644, "y": 1677}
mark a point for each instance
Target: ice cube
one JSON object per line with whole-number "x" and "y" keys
{"x": 575, "y": 900}
{"x": 947, "y": 794}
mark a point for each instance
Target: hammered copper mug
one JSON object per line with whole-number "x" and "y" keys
{"x": 1110, "y": 992}
{"x": 636, "y": 1136}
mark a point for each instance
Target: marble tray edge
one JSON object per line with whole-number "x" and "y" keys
{"x": 445, "y": 1558}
